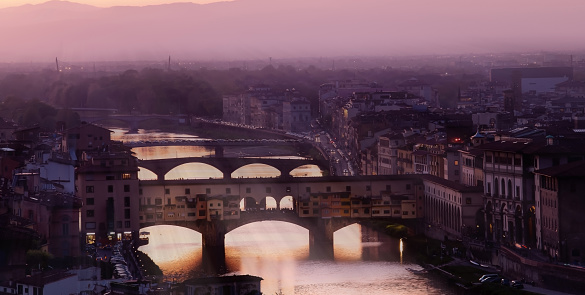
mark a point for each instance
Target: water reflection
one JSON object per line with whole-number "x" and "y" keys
{"x": 278, "y": 252}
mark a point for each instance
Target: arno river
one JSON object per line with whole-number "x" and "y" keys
{"x": 277, "y": 251}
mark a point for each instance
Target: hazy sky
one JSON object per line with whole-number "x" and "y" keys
{"x": 103, "y": 3}
{"x": 258, "y": 29}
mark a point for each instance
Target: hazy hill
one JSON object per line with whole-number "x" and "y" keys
{"x": 286, "y": 28}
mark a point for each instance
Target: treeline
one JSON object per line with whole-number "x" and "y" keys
{"x": 195, "y": 92}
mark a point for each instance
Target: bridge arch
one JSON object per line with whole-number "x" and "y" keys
{"x": 309, "y": 170}
{"x": 269, "y": 203}
{"x": 248, "y": 204}
{"x": 258, "y": 169}
{"x": 146, "y": 174}
{"x": 287, "y": 203}
{"x": 194, "y": 170}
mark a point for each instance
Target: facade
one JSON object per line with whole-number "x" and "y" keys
{"x": 508, "y": 192}
{"x": 559, "y": 205}
{"x": 453, "y": 211}
{"x": 85, "y": 137}
{"x": 109, "y": 187}
{"x": 322, "y": 197}
{"x": 388, "y": 145}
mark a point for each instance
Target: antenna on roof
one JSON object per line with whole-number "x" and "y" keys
{"x": 169, "y": 65}
{"x": 57, "y": 62}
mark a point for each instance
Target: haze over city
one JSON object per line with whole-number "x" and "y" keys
{"x": 252, "y": 29}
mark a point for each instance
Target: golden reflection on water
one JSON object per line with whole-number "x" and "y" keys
{"x": 176, "y": 250}
{"x": 265, "y": 248}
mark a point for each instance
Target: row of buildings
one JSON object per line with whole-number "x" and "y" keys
{"x": 262, "y": 107}
{"x": 504, "y": 143}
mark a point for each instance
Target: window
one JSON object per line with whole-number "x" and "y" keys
{"x": 167, "y": 191}
{"x": 65, "y": 227}
{"x": 288, "y": 189}
{"x": 456, "y": 163}
{"x": 468, "y": 201}
{"x": 308, "y": 189}
{"x": 89, "y": 201}
{"x": 89, "y": 189}
{"x": 110, "y": 188}
{"x": 140, "y": 191}
{"x": 126, "y": 188}
{"x": 248, "y": 190}
{"x": 127, "y": 223}
{"x": 110, "y": 177}
{"x": 228, "y": 190}
{"x": 368, "y": 188}
{"x": 89, "y": 213}
{"x": 348, "y": 188}
{"x": 208, "y": 191}
{"x": 404, "y": 212}
{"x": 328, "y": 189}
{"x": 158, "y": 201}
{"x": 126, "y": 201}
{"x": 187, "y": 191}
{"x": 202, "y": 212}
{"x": 126, "y": 176}
{"x": 315, "y": 211}
{"x": 119, "y": 224}
{"x": 126, "y": 213}
{"x": 408, "y": 186}
{"x": 305, "y": 211}
{"x": 90, "y": 225}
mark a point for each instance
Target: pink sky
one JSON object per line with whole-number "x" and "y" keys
{"x": 103, "y": 3}
{"x": 253, "y": 29}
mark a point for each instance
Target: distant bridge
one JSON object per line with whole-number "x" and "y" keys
{"x": 227, "y": 166}
{"x": 213, "y": 142}
{"x": 132, "y": 120}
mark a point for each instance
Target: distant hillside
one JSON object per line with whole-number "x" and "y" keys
{"x": 285, "y": 28}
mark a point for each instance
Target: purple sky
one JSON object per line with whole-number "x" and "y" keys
{"x": 251, "y": 29}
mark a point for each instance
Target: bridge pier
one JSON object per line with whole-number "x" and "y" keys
{"x": 213, "y": 248}
{"x": 321, "y": 240}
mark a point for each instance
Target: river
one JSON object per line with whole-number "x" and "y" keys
{"x": 278, "y": 251}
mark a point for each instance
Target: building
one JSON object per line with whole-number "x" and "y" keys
{"x": 453, "y": 211}
{"x": 559, "y": 205}
{"x": 49, "y": 282}
{"x": 85, "y": 137}
{"x": 108, "y": 184}
{"x": 532, "y": 79}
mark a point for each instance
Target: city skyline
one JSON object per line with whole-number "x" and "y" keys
{"x": 258, "y": 29}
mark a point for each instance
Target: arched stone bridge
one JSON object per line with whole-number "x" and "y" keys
{"x": 213, "y": 232}
{"x": 227, "y": 166}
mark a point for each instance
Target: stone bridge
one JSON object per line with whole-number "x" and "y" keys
{"x": 227, "y": 166}
{"x": 213, "y": 232}
{"x": 133, "y": 120}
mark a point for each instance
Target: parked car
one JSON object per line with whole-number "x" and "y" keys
{"x": 491, "y": 280}
{"x": 489, "y": 275}
{"x": 517, "y": 285}
{"x": 505, "y": 282}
